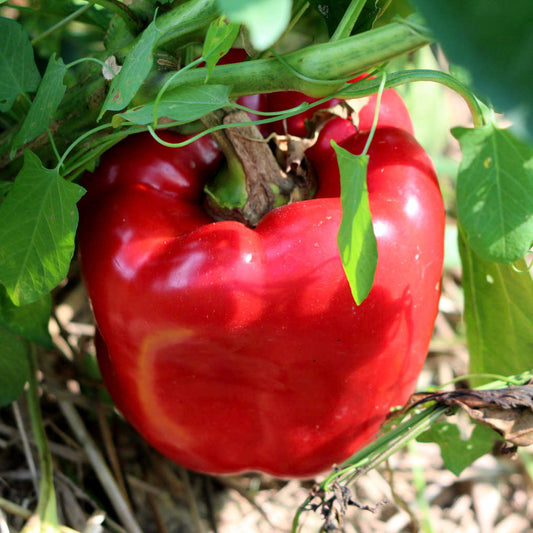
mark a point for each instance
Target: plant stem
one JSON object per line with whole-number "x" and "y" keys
{"x": 332, "y": 62}
{"x": 368, "y": 87}
{"x": 348, "y": 20}
{"x": 46, "y": 508}
{"x": 376, "y": 114}
{"x": 61, "y": 23}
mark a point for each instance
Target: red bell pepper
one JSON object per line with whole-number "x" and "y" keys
{"x": 234, "y": 349}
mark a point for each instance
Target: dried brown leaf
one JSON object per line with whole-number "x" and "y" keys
{"x": 508, "y": 411}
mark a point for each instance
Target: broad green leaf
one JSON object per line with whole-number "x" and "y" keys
{"x": 266, "y": 20}
{"x": 133, "y": 73}
{"x": 14, "y": 368}
{"x": 45, "y": 104}
{"x": 183, "y": 105}
{"x": 457, "y": 454}
{"x": 38, "y": 222}
{"x": 356, "y": 240}
{"x": 220, "y": 36}
{"x": 494, "y": 41}
{"x": 19, "y": 73}
{"x": 498, "y": 314}
{"x": 29, "y": 321}
{"x": 495, "y": 193}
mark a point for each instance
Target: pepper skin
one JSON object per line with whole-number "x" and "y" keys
{"x": 392, "y": 112}
{"x": 233, "y": 349}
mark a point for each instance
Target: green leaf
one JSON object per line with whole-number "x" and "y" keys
{"x": 29, "y": 321}
{"x": 494, "y": 41}
{"x": 134, "y": 71}
{"x": 19, "y": 73}
{"x": 45, "y": 104}
{"x": 266, "y": 20}
{"x": 495, "y": 193}
{"x": 356, "y": 240}
{"x": 38, "y": 222}
{"x": 14, "y": 368}
{"x": 457, "y": 454}
{"x": 498, "y": 314}
{"x": 183, "y": 105}
{"x": 5, "y": 187}
{"x": 117, "y": 35}
{"x": 219, "y": 39}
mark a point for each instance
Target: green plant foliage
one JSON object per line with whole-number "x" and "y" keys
{"x": 14, "y": 368}
{"x": 493, "y": 40}
{"x": 498, "y": 314}
{"x": 182, "y": 105}
{"x": 38, "y": 222}
{"x": 220, "y": 36}
{"x": 42, "y": 111}
{"x": 29, "y": 321}
{"x": 19, "y": 73}
{"x": 134, "y": 71}
{"x": 457, "y": 453}
{"x": 495, "y": 193}
{"x": 5, "y": 187}
{"x": 356, "y": 239}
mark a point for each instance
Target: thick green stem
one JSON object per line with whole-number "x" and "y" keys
{"x": 186, "y": 18}
{"x": 328, "y": 63}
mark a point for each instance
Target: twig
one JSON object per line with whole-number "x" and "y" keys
{"x": 191, "y": 500}
{"x": 208, "y": 492}
{"x": 13, "y": 508}
{"x": 99, "y": 466}
{"x": 399, "y": 501}
{"x": 26, "y": 446}
{"x": 111, "y": 451}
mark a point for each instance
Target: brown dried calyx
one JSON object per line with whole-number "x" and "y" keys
{"x": 267, "y": 181}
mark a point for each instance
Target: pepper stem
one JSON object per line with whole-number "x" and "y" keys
{"x": 252, "y": 183}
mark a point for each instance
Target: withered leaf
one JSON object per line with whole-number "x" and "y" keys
{"x": 508, "y": 411}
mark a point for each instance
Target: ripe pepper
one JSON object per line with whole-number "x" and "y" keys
{"x": 233, "y": 349}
